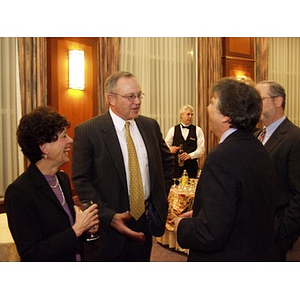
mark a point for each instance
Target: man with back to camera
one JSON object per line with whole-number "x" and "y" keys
{"x": 101, "y": 171}
{"x": 233, "y": 213}
{"x": 281, "y": 139}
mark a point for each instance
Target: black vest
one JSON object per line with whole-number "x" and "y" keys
{"x": 189, "y": 145}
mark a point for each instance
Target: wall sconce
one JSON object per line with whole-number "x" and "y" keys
{"x": 76, "y": 70}
{"x": 240, "y": 75}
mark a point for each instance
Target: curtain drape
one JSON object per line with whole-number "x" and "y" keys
{"x": 108, "y": 58}
{"x": 261, "y": 58}
{"x": 10, "y": 114}
{"x": 167, "y": 70}
{"x": 209, "y": 71}
{"x": 33, "y": 72}
{"x": 284, "y": 67}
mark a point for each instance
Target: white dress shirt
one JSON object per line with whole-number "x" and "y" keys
{"x": 140, "y": 147}
{"x": 185, "y": 132}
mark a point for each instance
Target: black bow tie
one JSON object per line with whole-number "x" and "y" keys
{"x": 188, "y": 127}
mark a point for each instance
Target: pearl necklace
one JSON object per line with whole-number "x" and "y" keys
{"x": 61, "y": 191}
{"x": 55, "y": 185}
{"x": 62, "y": 194}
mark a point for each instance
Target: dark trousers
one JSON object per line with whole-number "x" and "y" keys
{"x": 190, "y": 165}
{"x": 136, "y": 251}
{"x": 132, "y": 250}
{"x": 282, "y": 246}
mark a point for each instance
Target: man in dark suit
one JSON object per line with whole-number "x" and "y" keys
{"x": 282, "y": 141}
{"x": 100, "y": 171}
{"x": 233, "y": 214}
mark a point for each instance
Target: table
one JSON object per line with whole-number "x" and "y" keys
{"x": 8, "y": 250}
{"x": 180, "y": 199}
{"x": 2, "y": 209}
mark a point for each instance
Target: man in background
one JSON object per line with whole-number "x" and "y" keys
{"x": 281, "y": 139}
{"x": 191, "y": 138}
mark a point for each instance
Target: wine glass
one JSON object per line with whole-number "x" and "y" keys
{"x": 89, "y": 236}
{"x": 174, "y": 180}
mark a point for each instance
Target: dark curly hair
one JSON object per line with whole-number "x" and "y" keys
{"x": 240, "y": 102}
{"x": 40, "y": 126}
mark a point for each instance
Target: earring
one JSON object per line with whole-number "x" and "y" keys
{"x": 45, "y": 156}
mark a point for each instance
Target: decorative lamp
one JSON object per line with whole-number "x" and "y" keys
{"x": 76, "y": 70}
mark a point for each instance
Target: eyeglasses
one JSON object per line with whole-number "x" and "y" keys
{"x": 269, "y": 97}
{"x": 131, "y": 97}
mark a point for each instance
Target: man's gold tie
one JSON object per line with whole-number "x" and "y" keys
{"x": 137, "y": 201}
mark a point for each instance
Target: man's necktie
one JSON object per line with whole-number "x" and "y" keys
{"x": 262, "y": 134}
{"x": 187, "y": 127}
{"x": 137, "y": 202}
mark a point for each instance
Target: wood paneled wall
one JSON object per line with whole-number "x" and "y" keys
{"x": 77, "y": 106}
{"x": 238, "y": 56}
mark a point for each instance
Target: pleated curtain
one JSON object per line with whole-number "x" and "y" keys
{"x": 167, "y": 70}
{"x": 33, "y": 72}
{"x": 284, "y": 67}
{"x": 108, "y": 63}
{"x": 10, "y": 155}
{"x": 209, "y": 72}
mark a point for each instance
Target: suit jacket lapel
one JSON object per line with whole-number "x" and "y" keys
{"x": 277, "y": 135}
{"x": 152, "y": 157}
{"x": 40, "y": 182}
{"x": 67, "y": 193}
{"x": 111, "y": 140}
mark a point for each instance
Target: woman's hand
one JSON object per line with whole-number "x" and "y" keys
{"x": 86, "y": 220}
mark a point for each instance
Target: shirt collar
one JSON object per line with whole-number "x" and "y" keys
{"x": 119, "y": 122}
{"x": 272, "y": 127}
{"x": 226, "y": 134}
{"x": 185, "y": 126}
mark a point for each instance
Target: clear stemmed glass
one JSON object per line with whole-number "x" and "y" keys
{"x": 89, "y": 236}
{"x": 174, "y": 180}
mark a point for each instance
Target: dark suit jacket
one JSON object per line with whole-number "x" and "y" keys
{"x": 98, "y": 173}
{"x": 39, "y": 225}
{"x": 233, "y": 214}
{"x": 284, "y": 149}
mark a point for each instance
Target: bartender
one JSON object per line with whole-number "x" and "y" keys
{"x": 186, "y": 143}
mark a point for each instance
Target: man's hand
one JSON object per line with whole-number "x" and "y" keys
{"x": 174, "y": 149}
{"x": 187, "y": 214}
{"x": 118, "y": 223}
{"x": 185, "y": 156}
{"x": 176, "y": 220}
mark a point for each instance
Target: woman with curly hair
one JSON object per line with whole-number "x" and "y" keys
{"x": 45, "y": 224}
